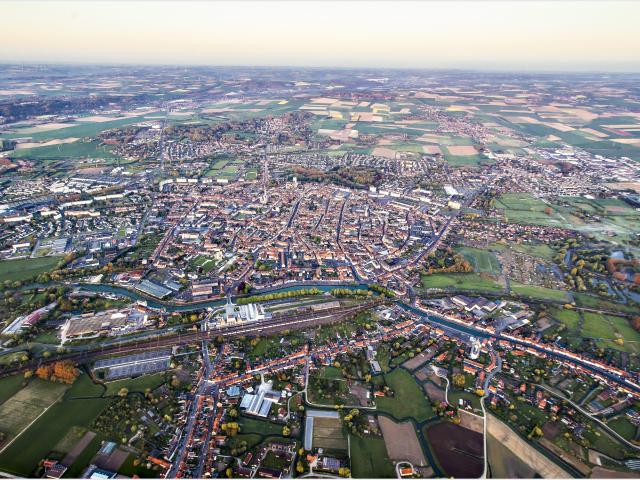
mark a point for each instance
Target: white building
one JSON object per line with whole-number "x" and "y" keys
{"x": 234, "y": 314}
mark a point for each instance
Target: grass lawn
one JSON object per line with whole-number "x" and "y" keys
{"x": 26, "y": 268}
{"x": 460, "y": 281}
{"x": 253, "y": 425}
{"x": 482, "y": 260}
{"x": 252, "y": 439}
{"x": 369, "y": 458}
{"x": 608, "y": 327}
{"x": 383, "y": 358}
{"x": 138, "y": 384}
{"x": 50, "y": 336}
{"x": 24, "y": 454}
{"x": 604, "y": 443}
{"x": 409, "y": 400}
{"x": 538, "y": 293}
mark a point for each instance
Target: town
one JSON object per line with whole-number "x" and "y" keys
{"x": 273, "y": 273}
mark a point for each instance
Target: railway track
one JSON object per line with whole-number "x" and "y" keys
{"x": 264, "y": 327}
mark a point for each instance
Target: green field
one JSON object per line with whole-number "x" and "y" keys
{"x": 460, "y": 281}
{"x": 229, "y": 170}
{"x": 332, "y": 373}
{"x": 482, "y": 260}
{"x": 596, "y": 326}
{"x": 523, "y": 208}
{"x": 462, "y": 160}
{"x": 608, "y": 328}
{"x": 24, "y": 454}
{"x": 82, "y": 462}
{"x": 26, "y": 268}
{"x": 622, "y": 426}
{"x": 9, "y": 386}
{"x": 369, "y": 458}
{"x": 591, "y": 301}
{"x": 538, "y": 293}
{"x": 27, "y": 404}
{"x": 570, "y": 318}
{"x": 65, "y": 151}
{"x": 409, "y": 400}
{"x": 594, "y": 217}
{"x": 541, "y": 250}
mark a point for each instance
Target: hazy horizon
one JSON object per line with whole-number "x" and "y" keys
{"x": 536, "y": 36}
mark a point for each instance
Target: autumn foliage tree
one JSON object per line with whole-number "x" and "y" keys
{"x": 63, "y": 372}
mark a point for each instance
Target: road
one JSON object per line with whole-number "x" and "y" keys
{"x": 606, "y": 427}
{"x": 194, "y": 412}
{"x": 204, "y": 449}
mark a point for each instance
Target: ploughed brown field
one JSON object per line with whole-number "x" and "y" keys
{"x": 457, "y": 449}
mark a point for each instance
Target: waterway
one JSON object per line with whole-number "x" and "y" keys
{"x": 191, "y": 307}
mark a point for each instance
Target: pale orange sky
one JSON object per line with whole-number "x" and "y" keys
{"x": 519, "y": 34}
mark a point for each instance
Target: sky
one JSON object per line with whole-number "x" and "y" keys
{"x": 477, "y": 34}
